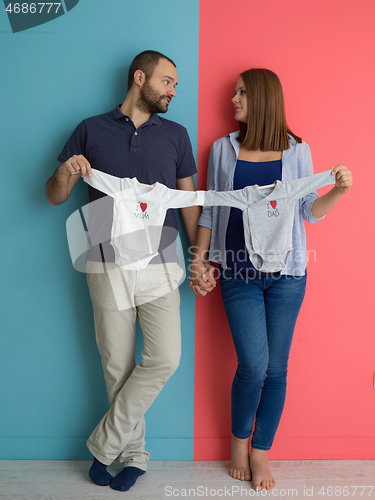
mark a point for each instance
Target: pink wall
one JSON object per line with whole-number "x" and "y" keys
{"x": 323, "y": 52}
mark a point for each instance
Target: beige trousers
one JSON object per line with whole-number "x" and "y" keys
{"x": 151, "y": 294}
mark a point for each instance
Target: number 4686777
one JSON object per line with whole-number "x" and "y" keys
{"x": 33, "y": 8}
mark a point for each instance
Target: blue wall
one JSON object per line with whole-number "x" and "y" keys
{"x": 52, "y": 76}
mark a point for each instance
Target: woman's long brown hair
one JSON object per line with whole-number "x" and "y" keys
{"x": 266, "y": 128}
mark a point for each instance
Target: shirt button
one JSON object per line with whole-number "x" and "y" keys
{"x": 126, "y": 119}
{"x": 135, "y": 133}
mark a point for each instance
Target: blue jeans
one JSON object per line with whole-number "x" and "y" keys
{"x": 262, "y": 313}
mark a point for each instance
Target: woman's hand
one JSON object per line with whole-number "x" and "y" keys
{"x": 202, "y": 279}
{"x": 344, "y": 179}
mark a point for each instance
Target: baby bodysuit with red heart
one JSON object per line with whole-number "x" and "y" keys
{"x": 138, "y": 215}
{"x": 268, "y": 216}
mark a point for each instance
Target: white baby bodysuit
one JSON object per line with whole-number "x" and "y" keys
{"x": 138, "y": 215}
{"x": 268, "y": 215}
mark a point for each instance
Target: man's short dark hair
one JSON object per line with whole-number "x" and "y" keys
{"x": 146, "y": 62}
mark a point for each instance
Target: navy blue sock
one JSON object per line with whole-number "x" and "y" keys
{"x": 126, "y": 478}
{"x": 99, "y": 474}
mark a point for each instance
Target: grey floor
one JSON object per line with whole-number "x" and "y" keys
{"x": 68, "y": 480}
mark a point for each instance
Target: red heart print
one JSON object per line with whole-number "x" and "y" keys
{"x": 273, "y": 204}
{"x": 143, "y": 206}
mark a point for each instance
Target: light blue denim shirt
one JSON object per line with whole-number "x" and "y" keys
{"x": 296, "y": 163}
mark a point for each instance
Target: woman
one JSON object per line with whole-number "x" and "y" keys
{"x": 261, "y": 308}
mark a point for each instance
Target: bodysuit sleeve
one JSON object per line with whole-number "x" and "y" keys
{"x": 177, "y": 198}
{"x": 105, "y": 183}
{"x": 299, "y": 188}
{"x": 238, "y": 198}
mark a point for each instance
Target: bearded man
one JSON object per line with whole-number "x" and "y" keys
{"x": 132, "y": 141}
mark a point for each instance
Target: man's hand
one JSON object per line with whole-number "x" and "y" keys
{"x": 202, "y": 279}
{"x": 76, "y": 164}
{"x": 61, "y": 184}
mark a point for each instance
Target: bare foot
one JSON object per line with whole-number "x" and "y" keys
{"x": 262, "y": 478}
{"x": 240, "y": 459}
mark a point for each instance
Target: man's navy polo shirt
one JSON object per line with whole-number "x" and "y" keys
{"x": 158, "y": 151}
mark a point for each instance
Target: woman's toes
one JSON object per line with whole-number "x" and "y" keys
{"x": 242, "y": 475}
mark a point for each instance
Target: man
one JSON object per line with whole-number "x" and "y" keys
{"x": 132, "y": 141}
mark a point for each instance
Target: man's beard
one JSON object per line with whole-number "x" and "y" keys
{"x": 150, "y": 101}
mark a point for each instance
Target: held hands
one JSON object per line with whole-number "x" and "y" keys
{"x": 344, "y": 179}
{"x": 77, "y": 164}
{"x": 202, "y": 281}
